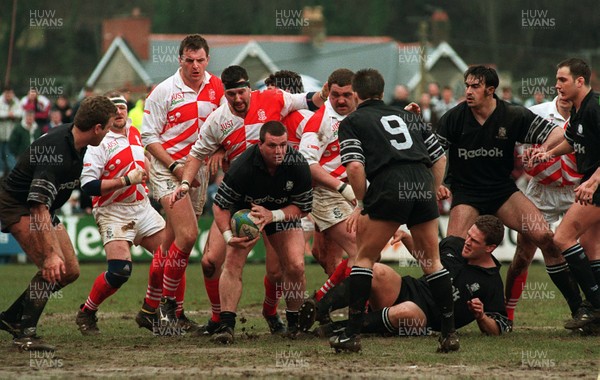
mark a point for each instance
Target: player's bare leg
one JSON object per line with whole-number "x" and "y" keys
{"x": 426, "y": 251}
{"x": 273, "y": 282}
{"x": 212, "y": 266}
{"x": 460, "y": 220}
{"x": 371, "y": 237}
{"x": 578, "y": 221}
{"x": 289, "y": 247}
{"x": 520, "y": 214}
{"x": 516, "y": 276}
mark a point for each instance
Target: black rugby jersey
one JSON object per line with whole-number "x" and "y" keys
{"x": 481, "y": 157}
{"x": 583, "y": 134}
{"x": 472, "y": 281}
{"x": 48, "y": 171}
{"x": 248, "y": 181}
{"x": 378, "y": 135}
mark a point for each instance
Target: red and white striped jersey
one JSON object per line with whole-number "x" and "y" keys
{"x": 116, "y": 156}
{"x": 234, "y": 134}
{"x": 559, "y": 171}
{"x": 174, "y": 113}
{"x": 320, "y": 145}
{"x": 295, "y": 123}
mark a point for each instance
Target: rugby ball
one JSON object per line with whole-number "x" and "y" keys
{"x": 242, "y": 224}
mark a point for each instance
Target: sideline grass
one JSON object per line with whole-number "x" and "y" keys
{"x": 539, "y": 346}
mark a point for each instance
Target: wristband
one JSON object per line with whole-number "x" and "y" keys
{"x": 127, "y": 181}
{"x": 342, "y": 187}
{"x": 186, "y": 184}
{"x": 173, "y": 166}
{"x": 323, "y": 98}
{"x": 227, "y": 235}
{"x": 278, "y": 215}
{"x": 360, "y": 204}
{"x": 123, "y": 182}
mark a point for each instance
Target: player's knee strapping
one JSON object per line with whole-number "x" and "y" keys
{"x": 118, "y": 272}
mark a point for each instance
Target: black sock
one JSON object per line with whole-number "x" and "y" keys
{"x": 360, "y": 289}
{"x": 292, "y": 318}
{"x": 336, "y": 298}
{"x": 378, "y": 322}
{"x": 595, "y": 264}
{"x": 15, "y": 311}
{"x": 228, "y": 318}
{"x": 35, "y": 301}
{"x": 440, "y": 285}
{"x": 562, "y": 277}
{"x": 582, "y": 272}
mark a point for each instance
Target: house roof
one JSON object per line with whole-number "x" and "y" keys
{"x": 398, "y": 63}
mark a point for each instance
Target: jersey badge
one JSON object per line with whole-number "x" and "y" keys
{"x": 580, "y": 130}
{"x": 262, "y": 115}
{"x": 212, "y": 94}
{"x": 289, "y": 185}
{"x": 501, "y": 133}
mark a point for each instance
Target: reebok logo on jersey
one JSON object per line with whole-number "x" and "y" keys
{"x": 578, "y": 148}
{"x": 468, "y": 154}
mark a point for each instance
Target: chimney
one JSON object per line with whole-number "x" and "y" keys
{"x": 134, "y": 29}
{"x": 314, "y": 25}
{"x": 440, "y": 27}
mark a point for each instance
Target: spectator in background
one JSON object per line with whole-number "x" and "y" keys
{"x": 433, "y": 88}
{"x": 66, "y": 111}
{"x": 39, "y": 105}
{"x": 87, "y": 92}
{"x": 10, "y": 114}
{"x": 401, "y": 95}
{"x": 55, "y": 120}
{"x": 507, "y": 96}
{"x": 446, "y": 103}
{"x": 429, "y": 116}
{"x": 538, "y": 98}
{"x": 23, "y": 134}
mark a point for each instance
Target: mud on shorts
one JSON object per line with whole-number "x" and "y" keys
{"x": 402, "y": 193}
{"x": 127, "y": 221}
{"x": 485, "y": 201}
{"x": 163, "y": 183}
{"x": 329, "y": 208}
{"x": 552, "y": 201}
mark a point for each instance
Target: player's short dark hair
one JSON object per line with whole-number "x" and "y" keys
{"x": 578, "y": 68}
{"x": 341, "y": 77}
{"x": 233, "y": 74}
{"x": 94, "y": 110}
{"x": 368, "y": 83}
{"x": 274, "y": 128}
{"x": 289, "y": 81}
{"x": 492, "y": 228}
{"x": 485, "y": 74}
{"x": 193, "y": 42}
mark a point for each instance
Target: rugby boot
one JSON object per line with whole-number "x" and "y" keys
{"x": 167, "y": 311}
{"x": 448, "y": 343}
{"x": 307, "y": 314}
{"x": 344, "y": 343}
{"x": 86, "y": 322}
{"x": 223, "y": 335}
{"x": 276, "y": 325}
{"x": 186, "y": 324}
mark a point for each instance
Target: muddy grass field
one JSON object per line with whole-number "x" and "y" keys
{"x": 538, "y": 348}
